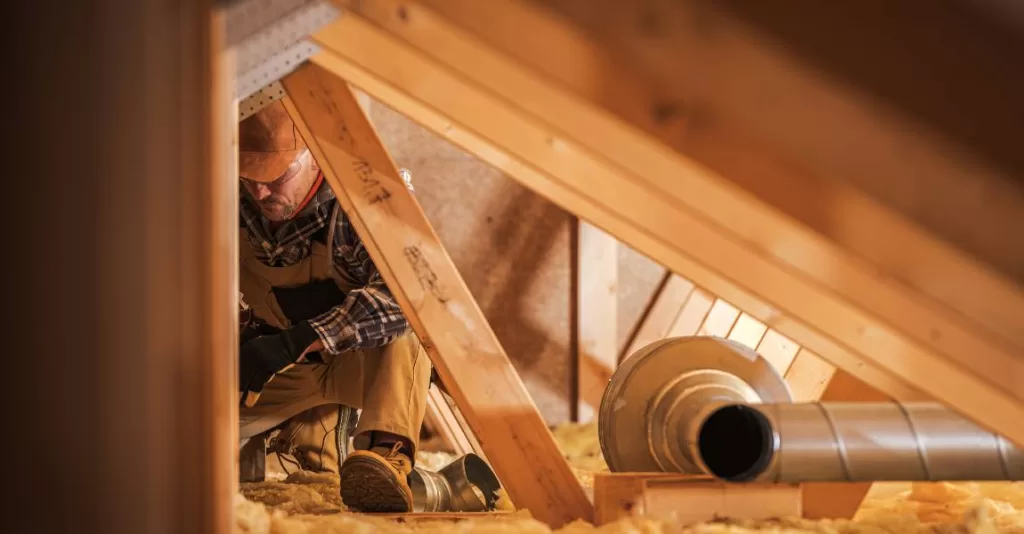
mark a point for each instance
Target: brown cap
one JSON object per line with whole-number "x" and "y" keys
{"x": 268, "y": 142}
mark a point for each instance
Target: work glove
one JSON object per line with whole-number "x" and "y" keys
{"x": 263, "y": 357}
{"x": 251, "y": 327}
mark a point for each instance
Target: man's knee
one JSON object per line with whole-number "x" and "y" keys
{"x": 421, "y": 362}
{"x": 406, "y": 347}
{"x": 349, "y": 377}
{"x": 407, "y": 344}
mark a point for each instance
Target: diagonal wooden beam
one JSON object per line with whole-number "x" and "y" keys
{"x": 676, "y": 86}
{"x": 889, "y": 334}
{"x": 463, "y": 348}
{"x": 710, "y": 79}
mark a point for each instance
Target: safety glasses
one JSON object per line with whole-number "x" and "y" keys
{"x": 293, "y": 169}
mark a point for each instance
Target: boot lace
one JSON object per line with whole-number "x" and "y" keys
{"x": 396, "y": 457}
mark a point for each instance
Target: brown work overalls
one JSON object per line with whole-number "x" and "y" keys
{"x": 388, "y": 383}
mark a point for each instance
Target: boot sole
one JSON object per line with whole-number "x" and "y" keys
{"x": 367, "y": 486}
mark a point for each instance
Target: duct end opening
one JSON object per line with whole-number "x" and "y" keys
{"x": 482, "y": 477}
{"x": 736, "y": 443}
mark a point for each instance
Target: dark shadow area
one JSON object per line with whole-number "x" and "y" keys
{"x": 735, "y": 443}
{"x": 953, "y": 65}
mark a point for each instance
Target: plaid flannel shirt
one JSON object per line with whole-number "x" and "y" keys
{"x": 369, "y": 316}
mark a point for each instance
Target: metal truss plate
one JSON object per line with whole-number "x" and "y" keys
{"x": 259, "y": 100}
{"x": 285, "y": 31}
{"x": 273, "y": 68}
{"x": 272, "y": 51}
{"x": 246, "y": 17}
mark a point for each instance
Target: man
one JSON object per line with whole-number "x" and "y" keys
{"x": 326, "y": 329}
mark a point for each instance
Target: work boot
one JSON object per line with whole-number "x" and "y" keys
{"x": 252, "y": 459}
{"x": 310, "y": 439}
{"x": 377, "y": 480}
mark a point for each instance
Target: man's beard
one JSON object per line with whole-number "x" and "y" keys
{"x": 277, "y": 210}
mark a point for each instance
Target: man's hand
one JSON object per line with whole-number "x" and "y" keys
{"x": 252, "y": 327}
{"x": 263, "y": 357}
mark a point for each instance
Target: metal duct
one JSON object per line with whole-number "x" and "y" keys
{"x": 704, "y": 405}
{"x": 808, "y": 442}
{"x": 663, "y": 387}
{"x": 465, "y": 485}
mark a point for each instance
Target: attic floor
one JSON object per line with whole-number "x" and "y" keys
{"x": 310, "y": 503}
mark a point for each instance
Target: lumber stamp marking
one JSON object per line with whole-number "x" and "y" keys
{"x": 427, "y": 276}
{"x": 372, "y": 188}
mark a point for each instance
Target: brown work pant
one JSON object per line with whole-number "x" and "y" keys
{"x": 388, "y": 383}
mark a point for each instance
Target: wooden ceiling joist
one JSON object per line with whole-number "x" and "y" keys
{"x": 447, "y": 320}
{"x": 882, "y": 309}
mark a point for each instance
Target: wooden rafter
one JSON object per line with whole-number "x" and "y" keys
{"x": 491, "y": 153}
{"x": 904, "y": 332}
{"x": 463, "y": 348}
